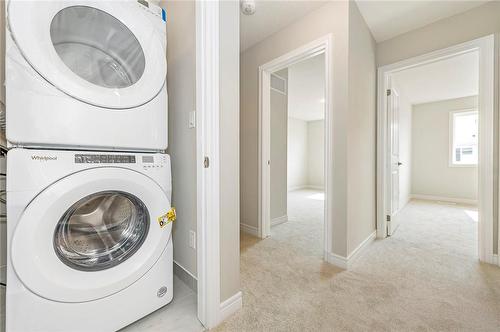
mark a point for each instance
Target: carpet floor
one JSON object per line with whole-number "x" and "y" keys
{"x": 426, "y": 277}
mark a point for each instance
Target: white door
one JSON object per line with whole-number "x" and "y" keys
{"x": 394, "y": 163}
{"x": 90, "y": 234}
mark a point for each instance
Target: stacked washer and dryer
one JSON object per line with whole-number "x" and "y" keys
{"x": 88, "y": 185}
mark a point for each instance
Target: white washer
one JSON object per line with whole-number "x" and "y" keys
{"x": 89, "y": 241}
{"x": 86, "y": 74}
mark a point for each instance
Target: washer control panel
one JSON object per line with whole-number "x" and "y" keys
{"x": 153, "y": 161}
{"x": 104, "y": 159}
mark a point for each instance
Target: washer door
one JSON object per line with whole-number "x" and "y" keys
{"x": 90, "y": 234}
{"x": 104, "y": 53}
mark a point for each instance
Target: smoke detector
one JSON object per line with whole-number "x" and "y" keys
{"x": 247, "y": 7}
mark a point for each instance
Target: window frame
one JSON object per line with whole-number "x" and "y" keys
{"x": 451, "y": 130}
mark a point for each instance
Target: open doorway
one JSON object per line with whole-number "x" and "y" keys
{"x": 436, "y": 156}
{"x": 297, "y": 153}
{"x": 296, "y": 84}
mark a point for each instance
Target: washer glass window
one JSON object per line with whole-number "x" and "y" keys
{"x": 101, "y": 230}
{"x": 97, "y": 47}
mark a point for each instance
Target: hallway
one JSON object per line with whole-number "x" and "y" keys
{"x": 425, "y": 277}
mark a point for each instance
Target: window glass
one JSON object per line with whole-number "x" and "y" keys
{"x": 465, "y": 130}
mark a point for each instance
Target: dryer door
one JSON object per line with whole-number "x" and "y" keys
{"x": 91, "y": 234}
{"x": 105, "y": 53}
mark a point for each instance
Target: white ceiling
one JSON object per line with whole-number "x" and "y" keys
{"x": 387, "y": 19}
{"x": 270, "y": 17}
{"x": 446, "y": 79}
{"x": 306, "y": 89}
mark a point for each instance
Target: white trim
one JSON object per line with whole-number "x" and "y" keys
{"x": 185, "y": 270}
{"x": 355, "y": 253}
{"x": 279, "y": 220}
{"x": 315, "y": 187}
{"x": 346, "y": 262}
{"x": 444, "y": 199}
{"x": 207, "y": 144}
{"x": 252, "y": 230}
{"x": 485, "y": 47}
{"x": 294, "y": 188}
{"x": 337, "y": 260}
{"x": 230, "y": 306}
{"x": 322, "y": 45}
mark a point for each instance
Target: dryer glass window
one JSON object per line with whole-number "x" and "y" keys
{"x": 97, "y": 47}
{"x": 101, "y": 231}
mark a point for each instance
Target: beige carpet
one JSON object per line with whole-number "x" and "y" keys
{"x": 424, "y": 278}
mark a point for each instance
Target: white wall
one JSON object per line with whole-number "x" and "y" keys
{"x": 306, "y": 150}
{"x": 316, "y": 154}
{"x": 361, "y": 132}
{"x": 181, "y": 84}
{"x": 279, "y": 144}
{"x": 297, "y": 154}
{"x": 306, "y": 89}
{"x": 431, "y": 173}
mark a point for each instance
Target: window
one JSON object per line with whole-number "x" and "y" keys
{"x": 464, "y": 138}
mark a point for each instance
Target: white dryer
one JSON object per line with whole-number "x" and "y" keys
{"x": 86, "y": 74}
{"x": 89, "y": 239}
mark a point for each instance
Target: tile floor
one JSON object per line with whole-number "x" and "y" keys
{"x": 180, "y": 315}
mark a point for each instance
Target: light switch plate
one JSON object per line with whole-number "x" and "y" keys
{"x": 192, "y": 119}
{"x": 192, "y": 239}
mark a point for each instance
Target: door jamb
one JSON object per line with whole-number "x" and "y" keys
{"x": 485, "y": 47}
{"x": 322, "y": 45}
{"x": 207, "y": 159}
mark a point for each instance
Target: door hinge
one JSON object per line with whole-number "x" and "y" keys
{"x": 206, "y": 162}
{"x": 388, "y": 92}
{"x": 388, "y": 218}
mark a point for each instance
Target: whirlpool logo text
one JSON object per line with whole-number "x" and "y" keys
{"x": 43, "y": 158}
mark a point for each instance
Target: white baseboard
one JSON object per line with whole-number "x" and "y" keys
{"x": 346, "y": 262}
{"x": 296, "y": 188}
{"x": 444, "y": 199}
{"x": 249, "y": 229}
{"x": 230, "y": 306}
{"x": 279, "y": 220}
{"x": 306, "y": 187}
{"x": 186, "y": 276}
{"x": 334, "y": 259}
{"x": 315, "y": 187}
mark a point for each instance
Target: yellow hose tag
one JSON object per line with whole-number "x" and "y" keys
{"x": 172, "y": 215}
{"x": 167, "y": 218}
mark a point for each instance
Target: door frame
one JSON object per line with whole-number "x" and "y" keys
{"x": 207, "y": 173}
{"x": 486, "y": 48}
{"x": 323, "y": 45}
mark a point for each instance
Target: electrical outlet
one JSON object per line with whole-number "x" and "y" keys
{"x": 192, "y": 239}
